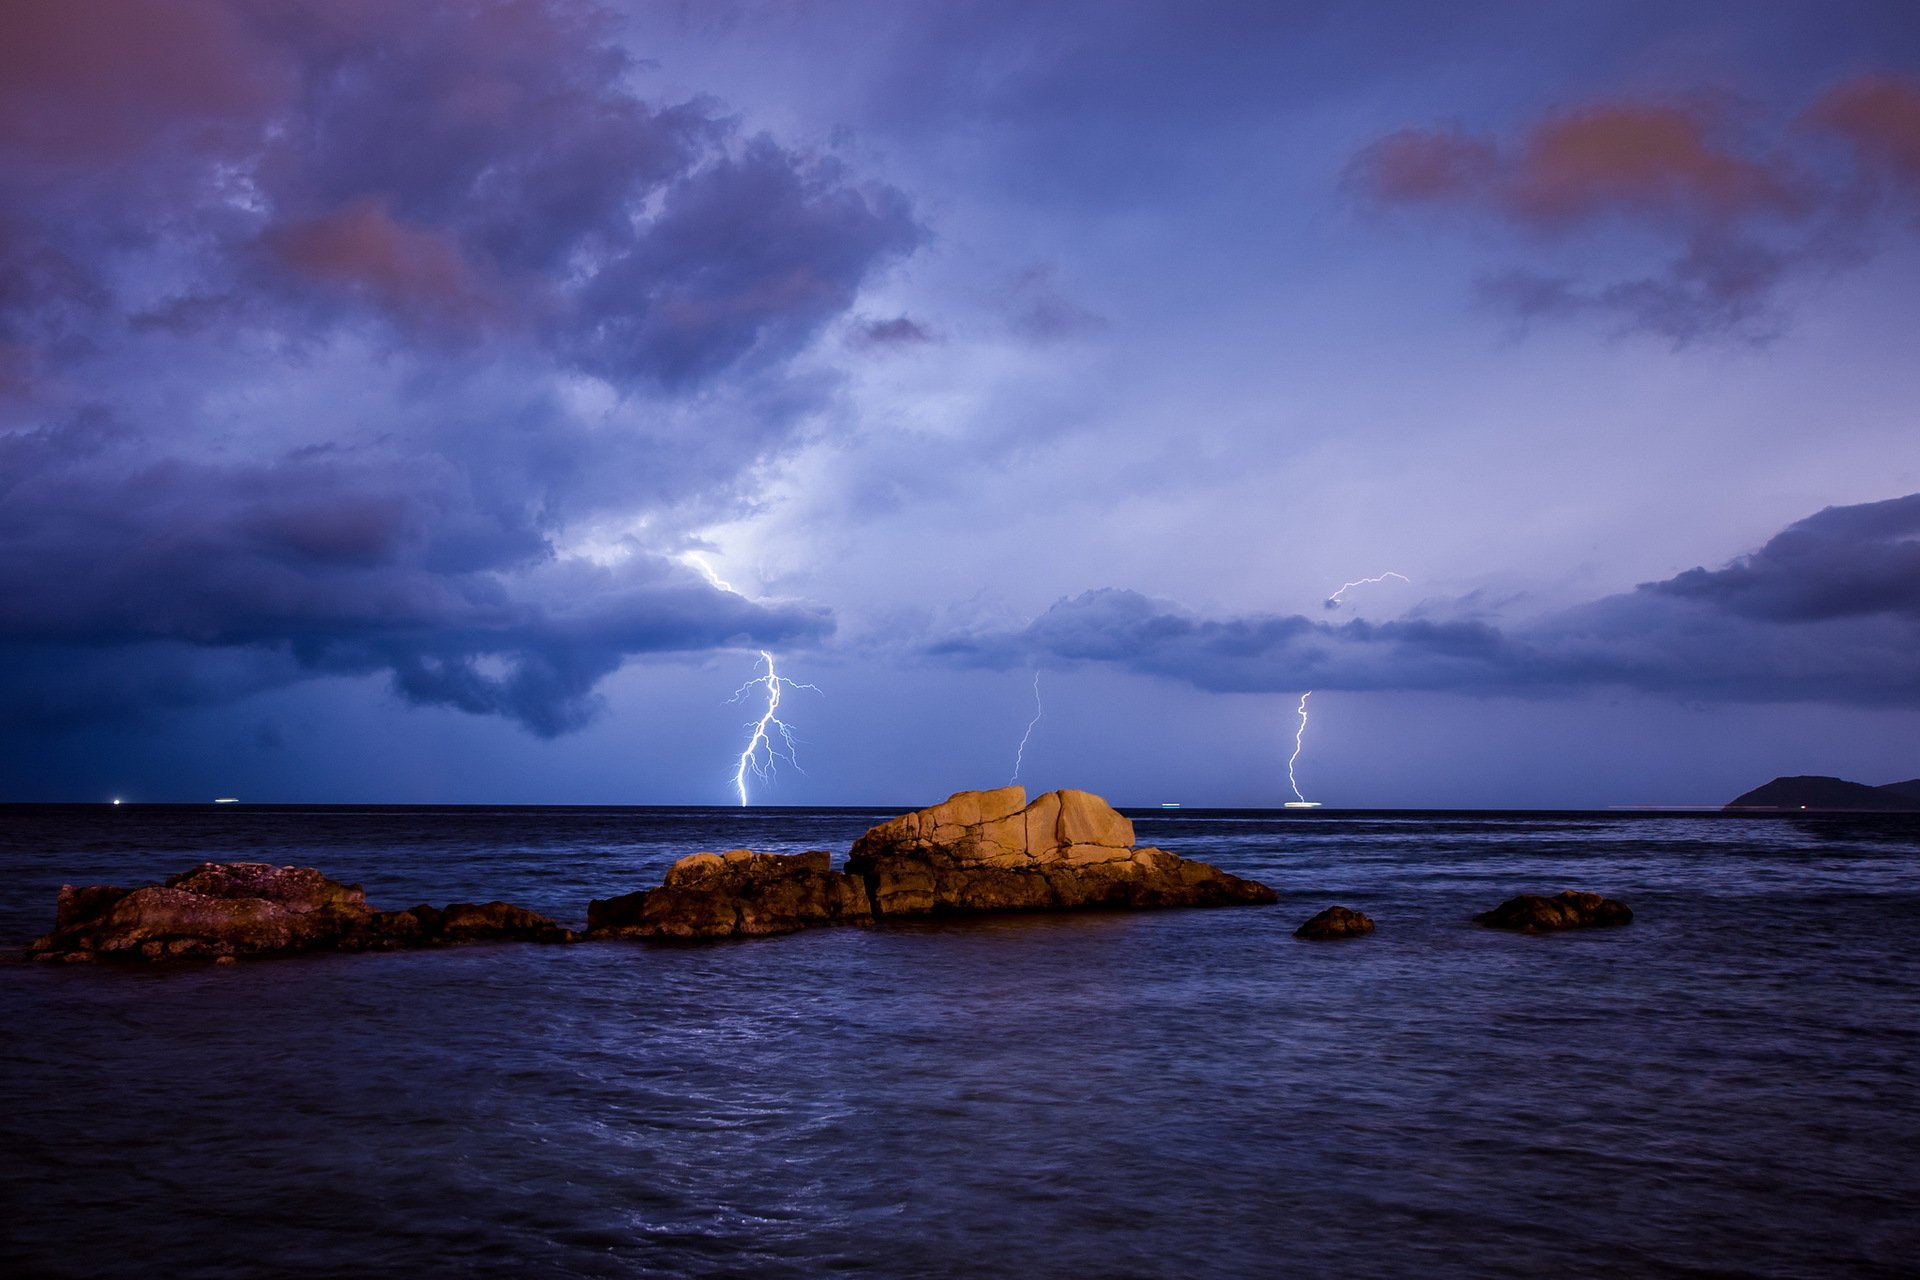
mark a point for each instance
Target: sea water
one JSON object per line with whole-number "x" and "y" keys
{"x": 1731, "y": 1084}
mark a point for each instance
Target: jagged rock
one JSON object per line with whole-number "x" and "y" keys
{"x": 737, "y": 893}
{"x": 1334, "y": 922}
{"x": 1530, "y": 913}
{"x": 992, "y": 851}
{"x": 226, "y": 909}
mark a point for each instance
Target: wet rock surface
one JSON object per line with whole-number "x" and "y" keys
{"x": 224, "y": 910}
{"x": 992, "y": 851}
{"x": 1335, "y": 922}
{"x": 1530, "y": 913}
{"x": 735, "y": 894}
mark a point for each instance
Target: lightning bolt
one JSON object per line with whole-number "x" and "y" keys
{"x": 1333, "y": 601}
{"x": 1300, "y": 734}
{"x": 1038, "y": 711}
{"x": 761, "y": 750}
{"x": 1299, "y": 740}
{"x": 695, "y": 559}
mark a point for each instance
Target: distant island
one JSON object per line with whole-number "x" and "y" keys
{"x": 1814, "y": 791}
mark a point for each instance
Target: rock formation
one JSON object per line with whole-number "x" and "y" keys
{"x": 221, "y": 910}
{"x": 737, "y": 893}
{"x": 1334, "y": 922}
{"x": 979, "y": 851}
{"x": 1529, "y": 913}
{"x": 992, "y": 851}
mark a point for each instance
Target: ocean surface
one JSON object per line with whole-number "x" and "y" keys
{"x": 1728, "y": 1086}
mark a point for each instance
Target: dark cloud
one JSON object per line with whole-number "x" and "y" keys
{"x": 1743, "y": 203}
{"x": 330, "y": 331}
{"x": 324, "y": 562}
{"x": 900, "y": 331}
{"x": 1843, "y": 562}
{"x": 1829, "y": 610}
{"x": 1041, "y": 310}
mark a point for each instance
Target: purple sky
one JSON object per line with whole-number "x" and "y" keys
{"x": 446, "y": 401}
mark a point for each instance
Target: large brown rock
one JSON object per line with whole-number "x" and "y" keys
{"x": 735, "y": 894}
{"x": 992, "y": 851}
{"x": 221, "y": 910}
{"x": 1530, "y": 913}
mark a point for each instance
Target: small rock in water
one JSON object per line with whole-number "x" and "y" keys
{"x": 1530, "y": 913}
{"x": 1334, "y": 922}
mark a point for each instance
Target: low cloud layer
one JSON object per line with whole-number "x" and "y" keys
{"x": 1741, "y": 203}
{"x": 1828, "y": 611}
{"x": 403, "y": 338}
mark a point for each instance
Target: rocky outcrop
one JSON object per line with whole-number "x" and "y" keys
{"x": 992, "y": 851}
{"x": 1530, "y": 913}
{"x": 224, "y": 910}
{"x": 1334, "y": 922}
{"x": 735, "y": 894}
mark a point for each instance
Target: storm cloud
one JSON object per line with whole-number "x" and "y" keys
{"x": 343, "y": 338}
{"x": 1828, "y": 610}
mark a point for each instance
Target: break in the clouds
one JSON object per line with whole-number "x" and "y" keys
{"x": 1828, "y": 610}
{"x": 341, "y": 337}
{"x": 1734, "y": 200}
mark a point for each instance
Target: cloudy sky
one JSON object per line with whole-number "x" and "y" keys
{"x": 450, "y": 401}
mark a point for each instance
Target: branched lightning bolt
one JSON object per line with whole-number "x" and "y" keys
{"x": 760, "y": 752}
{"x": 1038, "y": 711}
{"x": 1300, "y": 734}
{"x": 1333, "y": 601}
{"x": 1299, "y": 739}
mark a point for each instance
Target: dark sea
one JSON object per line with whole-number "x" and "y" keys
{"x": 1728, "y": 1086}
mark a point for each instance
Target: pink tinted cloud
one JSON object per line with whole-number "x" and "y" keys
{"x": 1414, "y": 166}
{"x": 82, "y": 82}
{"x": 1660, "y": 160}
{"x": 1664, "y": 161}
{"x": 360, "y": 249}
{"x": 1880, "y": 116}
{"x": 1739, "y": 211}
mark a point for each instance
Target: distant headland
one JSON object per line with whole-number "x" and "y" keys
{"x": 1816, "y": 791}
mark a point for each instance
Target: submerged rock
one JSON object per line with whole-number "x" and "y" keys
{"x": 1530, "y": 913}
{"x": 226, "y": 909}
{"x": 992, "y": 851}
{"x": 1334, "y": 922}
{"x": 737, "y": 893}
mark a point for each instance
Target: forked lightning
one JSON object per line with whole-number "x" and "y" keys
{"x": 761, "y": 751}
